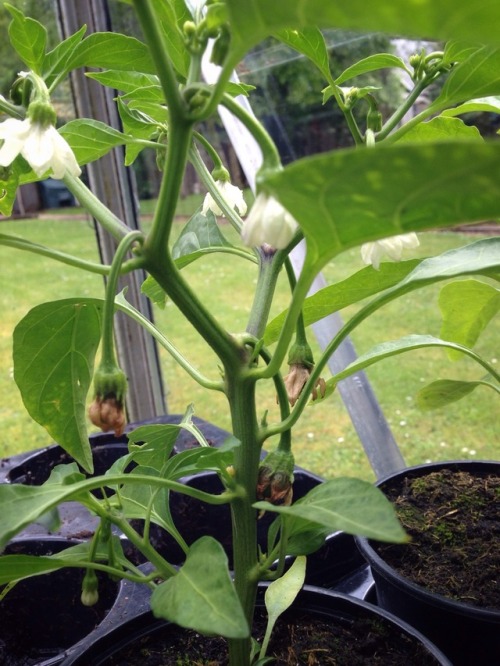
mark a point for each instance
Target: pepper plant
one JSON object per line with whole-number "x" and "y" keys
{"x": 399, "y": 178}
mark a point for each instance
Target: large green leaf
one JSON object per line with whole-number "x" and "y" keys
{"x": 467, "y": 307}
{"x": 202, "y": 596}
{"x": 353, "y": 289}
{"x": 54, "y": 350}
{"x": 124, "y": 81}
{"x": 109, "y": 50}
{"x": 441, "y": 129}
{"x": 351, "y": 505}
{"x": 28, "y": 37}
{"x": 371, "y": 64}
{"x": 347, "y": 197}
{"x": 200, "y": 236}
{"x": 91, "y": 139}
{"x": 429, "y": 19}
{"x": 484, "y": 104}
{"x": 141, "y": 500}
{"x": 17, "y": 567}
{"x": 311, "y": 43}
{"x": 477, "y": 76}
{"x": 395, "y": 347}
{"x": 442, "y": 392}
{"x": 55, "y": 64}
{"x": 171, "y": 17}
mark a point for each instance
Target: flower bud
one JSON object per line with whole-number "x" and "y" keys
{"x": 90, "y": 591}
{"x": 296, "y": 380}
{"x": 106, "y": 412}
{"x": 268, "y": 222}
{"x": 275, "y": 480}
{"x": 372, "y": 253}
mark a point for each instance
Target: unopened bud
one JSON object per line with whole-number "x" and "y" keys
{"x": 90, "y": 591}
{"x": 275, "y": 480}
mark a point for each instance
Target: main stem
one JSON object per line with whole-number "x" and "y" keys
{"x": 241, "y": 396}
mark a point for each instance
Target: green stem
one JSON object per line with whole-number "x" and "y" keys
{"x": 11, "y": 109}
{"x": 241, "y": 396}
{"x": 398, "y": 115}
{"x": 209, "y": 182}
{"x": 269, "y": 268}
{"x": 95, "y": 207}
{"x": 289, "y": 326}
{"x": 76, "y": 262}
{"x": 171, "y": 281}
{"x": 156, "y": 40}
{"x": 170, "y": 348}
{"x": 108, "y": 347}
{"x": 179, "y": 141}
{"x": 270, "y": 155}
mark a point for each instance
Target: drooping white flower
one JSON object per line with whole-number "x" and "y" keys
{"x": 42, "y": 147}
{"x": 372, "y": 253}
{"x": 268, "y": 223}
{"x": 232, "y": 194}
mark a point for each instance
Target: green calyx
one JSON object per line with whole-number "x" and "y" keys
{"x": 42, "y": 113}
{"x": 110, "y": 381}
{"x": 90, "y": 588}
{"x": 301, "y": 354}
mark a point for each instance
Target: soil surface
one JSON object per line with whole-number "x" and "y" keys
{"x": 453, "y": 519}
{"x": 296, "y": 642}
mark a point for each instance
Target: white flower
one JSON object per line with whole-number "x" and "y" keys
{"x": 232, "y": 194}
{"x": 42, "y": 147}
{"x": 372, "y": 253}
{"x": 268, "y": 223}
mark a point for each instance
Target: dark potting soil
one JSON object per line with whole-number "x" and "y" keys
{"x": 42, "y": 616}
{"x": 295, "y": 642}
{"x": 453, "y": 518}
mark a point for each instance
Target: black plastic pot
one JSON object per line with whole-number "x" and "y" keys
{"x": 468, "y": 635}
{"x": 335, "y": 609}
{"x": 42, "y": 616}
{"x": 34, "y": 468}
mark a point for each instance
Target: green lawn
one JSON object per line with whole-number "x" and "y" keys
{"x": 325, "y": 440}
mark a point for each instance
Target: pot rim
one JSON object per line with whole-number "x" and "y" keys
{"x": 383, "y": 569}
{"x": 144, "y": 621}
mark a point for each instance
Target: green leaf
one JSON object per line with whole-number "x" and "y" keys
{"x": 28, "y": 37}
{"x": 281, "y": 594}
{"x": 467, "y": 307}
{"x": 481, "y": 105}
{"x": 311, "y": 43}
{"x": 254, "y": 20}
{"x": 351, "y": 505}
{"x": 395, "y": 347}
{"x": 442, "y": 392}
{"x": 54, "y": 350}
{"x": 141, "y": 500}
{"x": 91, "y": 139}
{"x": 124, "y": 81}
{"x": 441, "y": 129}
{"x": 347, "y": 197}
{"x": 202, "y": 596}
{"x": 8, "y": 189}
{"x": 151, "y": 445}
{"x": 17, "y": 567}
{"x": 477, "y": 76}
{"x": 200, "y": 235}
{"x": 370, "y": 64}
{"x": 171, "y": 17}
{"x": 109, "y": 50}
{"x": 23, "y": 505}
{"x": 353, "y": 289}
{"x": 55, "y": 65}
{"x": 154, "y": 292}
